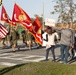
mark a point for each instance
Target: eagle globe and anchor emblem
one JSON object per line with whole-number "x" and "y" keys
{"x": 22, "y": 17}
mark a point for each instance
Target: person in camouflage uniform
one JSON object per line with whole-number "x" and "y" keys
{"x": 24, "y": 37}
{"x": 28, "y": 39}
{"x": 13, "y": 38}
{"x": 3, "y": 42}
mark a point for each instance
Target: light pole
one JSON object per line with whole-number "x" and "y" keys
{"x": 43, "y": 14}
{"x": 0, "y": 2}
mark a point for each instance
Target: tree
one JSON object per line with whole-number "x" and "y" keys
{"x": 66, "y": 11}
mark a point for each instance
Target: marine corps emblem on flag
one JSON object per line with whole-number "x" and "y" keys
{"x": 22, "y": 17}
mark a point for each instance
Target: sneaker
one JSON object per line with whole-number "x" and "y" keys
{"x": 66, "y": 63}
{"x": 61, "y": 62}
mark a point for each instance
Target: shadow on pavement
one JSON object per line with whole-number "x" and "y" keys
{"x": 5, "y": 70}
{"x": 20, "y": 49}
{"x": 72, "y": 60}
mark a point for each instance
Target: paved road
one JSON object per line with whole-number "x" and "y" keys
{"x": 24, "y": 55}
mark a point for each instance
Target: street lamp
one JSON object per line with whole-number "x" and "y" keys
{"x": 0, "y": 2}
{"x": 43, "y": 14}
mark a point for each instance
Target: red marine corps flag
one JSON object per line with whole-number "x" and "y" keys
{"x": 5, "y": 17}
{"x": 38, "y": 37}
{"x": 19, "y": 15}
{"x": 36, "y": 25}
{"x": 3, "y": 31}
{"x": 37, "y": 31}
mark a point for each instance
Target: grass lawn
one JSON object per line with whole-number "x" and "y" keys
{"x": 40, "y": 68}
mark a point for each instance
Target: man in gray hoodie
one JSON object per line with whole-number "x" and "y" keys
{"x": 66, "y": 42}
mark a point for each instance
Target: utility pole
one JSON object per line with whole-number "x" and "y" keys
{"x": 43, "y": 15}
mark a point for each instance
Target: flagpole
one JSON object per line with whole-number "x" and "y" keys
{"x": 43, "y": 15}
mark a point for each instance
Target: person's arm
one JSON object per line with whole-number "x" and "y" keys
{"x": 72, "y": 38}
{"x": 57, "y": 29}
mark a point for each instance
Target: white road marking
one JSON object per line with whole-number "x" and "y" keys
{"x": 7, "y": 64}
{"x": 22, "y": 59}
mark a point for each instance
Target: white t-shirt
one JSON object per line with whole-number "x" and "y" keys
{"x": 50, "y": 41}
{"x": 44, "y": 37}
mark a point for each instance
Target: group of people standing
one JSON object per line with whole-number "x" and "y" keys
{"x": 67, "y": 42}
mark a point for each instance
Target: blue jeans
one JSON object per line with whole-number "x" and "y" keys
{"x": 52, "y": 50}
{"x": 64, "y": 53}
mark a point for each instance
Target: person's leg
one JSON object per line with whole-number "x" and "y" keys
{"x": 66, "y": 53}
{"x": 47, "y": 53}
{"x": 53, "y": 52}
{"x": 29, "y": 44}
{"x": 62, "y": 52}
{"x": 3, "y": 43}
{"x": 14, "y": 46}
{"x": 75, "y": 49}
{"x": 72, "y": 53}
